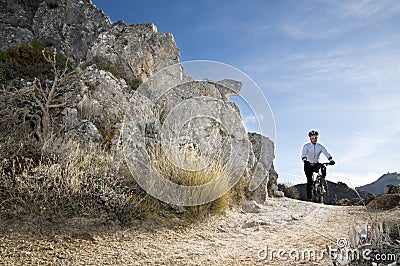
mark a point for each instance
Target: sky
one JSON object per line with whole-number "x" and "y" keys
{"x": 332, "y": 66}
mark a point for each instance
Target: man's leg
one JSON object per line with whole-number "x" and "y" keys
{"x": 309, "y": 172}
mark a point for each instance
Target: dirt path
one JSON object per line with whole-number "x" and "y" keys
{"x": 237, "y": 238}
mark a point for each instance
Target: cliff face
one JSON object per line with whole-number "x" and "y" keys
{"x": 69, "y": 26}
{"x": 114, "y": 78}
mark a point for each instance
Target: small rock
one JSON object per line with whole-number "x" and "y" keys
{"x": 252, "y": 207}
{"x": 250, "y": 225}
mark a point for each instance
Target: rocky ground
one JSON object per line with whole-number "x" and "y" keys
{"x": 254, "y": 235}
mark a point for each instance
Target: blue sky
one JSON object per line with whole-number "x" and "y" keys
{"x": 333, "y": 66}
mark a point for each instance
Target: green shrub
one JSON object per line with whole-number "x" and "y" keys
{"x": 27, "y": 62}
{"x": 134, "y": 84}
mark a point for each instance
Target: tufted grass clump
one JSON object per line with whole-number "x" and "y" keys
{"x": 204, "y": 175}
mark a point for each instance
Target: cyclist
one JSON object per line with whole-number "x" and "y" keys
{"x": 310, "y": 156}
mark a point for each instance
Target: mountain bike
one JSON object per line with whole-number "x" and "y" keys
{"x": 320, "y": 191}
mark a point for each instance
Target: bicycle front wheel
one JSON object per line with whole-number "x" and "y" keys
{"x": 324, "y": 192}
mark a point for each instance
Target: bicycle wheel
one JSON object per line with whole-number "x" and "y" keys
{"x": 324, "y": 191}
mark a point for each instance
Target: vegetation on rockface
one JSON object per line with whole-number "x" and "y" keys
{"x": 34, "y": 92}
{"x": 29, "y": 62}
{"x": 43, "y": 173}
{"x": 134, "y": 84}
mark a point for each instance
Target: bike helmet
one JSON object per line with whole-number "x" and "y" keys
{"x": 313, "y": 133}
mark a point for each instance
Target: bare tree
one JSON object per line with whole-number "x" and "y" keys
{"x": 27, "y": 111}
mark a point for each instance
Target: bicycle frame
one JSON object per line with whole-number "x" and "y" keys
{"x": 320, "y": 186}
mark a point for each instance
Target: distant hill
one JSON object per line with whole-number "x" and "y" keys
{"x": 378, "y": 186}
{"x": 337, "y": 191}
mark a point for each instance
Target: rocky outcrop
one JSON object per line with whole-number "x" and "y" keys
{"x": 130, "y": 92}
{"x": 16, "y": 19}
{"x": 133, "y": 52}
{"x": 98, "y": 106}
{"x": 260, "y": 170}
{"x": 69, "y": 26}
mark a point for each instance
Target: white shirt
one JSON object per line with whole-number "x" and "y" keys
{"x": 311, "y": 152}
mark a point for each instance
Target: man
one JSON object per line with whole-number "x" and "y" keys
{"x": 310, "y": 156}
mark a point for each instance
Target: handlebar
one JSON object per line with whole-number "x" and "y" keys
{"x": 328, "y": 163}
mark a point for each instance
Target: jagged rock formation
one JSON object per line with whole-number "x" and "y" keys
{"x": 116, "y": 80}
{"x": 263, "y": 149}
{"x": 69, "y": 26}
{"x": 133, "y": 52}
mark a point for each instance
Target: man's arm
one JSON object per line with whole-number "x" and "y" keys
{"x": 304, "y": 153}
{"x": 326, "y": 153}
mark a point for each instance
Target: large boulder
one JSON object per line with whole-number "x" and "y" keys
{"x": 262, "y": 168}
{"x": 98, "y": 106}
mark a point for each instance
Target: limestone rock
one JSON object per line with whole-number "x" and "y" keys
{"x": 16, "y": 21}
{"x": 69, "y": 26}
{"x": 82, "y": 130}
{"x": 279, "y": 194}
{"x": 102, "y": 99}
{"x": 263, "y": 149}
{"x": 132, "y": 90}
{"x": 133, "y": 52}
{"x": 251, "y": 207}
{"x": 14, "y": 36}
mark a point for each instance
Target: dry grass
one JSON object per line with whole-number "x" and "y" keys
{"x": 69, "y": 180}
{"x": 216, "y": 169}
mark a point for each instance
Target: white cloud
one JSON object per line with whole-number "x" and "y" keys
{"x": 366, "y": 8}
{"x": 321, "y": 20}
